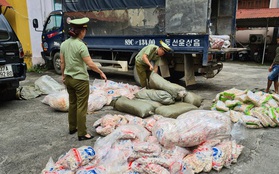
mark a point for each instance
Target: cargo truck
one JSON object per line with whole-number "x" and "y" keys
{"x": 118, "y": 29}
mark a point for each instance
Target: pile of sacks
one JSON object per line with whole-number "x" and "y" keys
{"x": 162, "y": 98}
{"x": 254, "y": 109}
{"x": 101, "y": 94}
{"x": 194, "y": 142}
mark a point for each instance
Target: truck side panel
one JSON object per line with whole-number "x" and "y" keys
{"x": 184, "y": 44}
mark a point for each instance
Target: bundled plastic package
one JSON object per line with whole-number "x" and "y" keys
{"x": 91, "y": 169}
{"x": 115, "y": 89}
{"x": 221, "y": 106}
{"x": 232, "y": 103}
{"x": 52, "y": 169}
{"x": 226, "y": 95}
{"x": 263, "y": 116}
{"x": 200, "y": 160}
{"x": 128, "y": 131}
{"x": 76, "y": 157}
{"x": 192, "y": 128}
{"x": 276, "y": 97}
{"x": 108, "y": 123}
{"x": 251, "y": 122}
{"x": 245, "y": 108}
{"x": 274, "y": 115}
{"x": 234, "y": 115}
{"x": 222, "y": 155}
{"x": 58, "y": 101}
{"x": 48, "y": 85}
{"x": 96, "y": 101}
{"x": 114, "y": 150}
{"x": 213, "y": 154}
{"x": 242, "y": 98}
{"x": 254, "y": 98}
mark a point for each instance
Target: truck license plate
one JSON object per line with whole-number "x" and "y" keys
{"x": 6, "y": 71}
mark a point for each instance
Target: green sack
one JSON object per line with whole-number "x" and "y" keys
{"x": 153, "y": 103}
{"x": 134, "y": 107}
{"x": 160, "y": 96}
{"x": 193, "y": 99}
{"x": 174, "y": 110}
{"x": 158, "y": 82}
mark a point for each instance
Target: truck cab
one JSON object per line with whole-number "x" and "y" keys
{"x": 52, "y": 37}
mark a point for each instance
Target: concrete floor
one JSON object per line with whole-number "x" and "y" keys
{"x": 32, "y": 132}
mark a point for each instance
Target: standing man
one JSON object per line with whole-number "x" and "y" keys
{"x": 75, "y": 58}
{"x": 274, "y": 71}
{"x": 144, "y": 59}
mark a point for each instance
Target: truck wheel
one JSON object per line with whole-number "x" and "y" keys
{"x": 258, "y": 58}
{"x": 56, "y": 63}
{"x": 136, "y": 76}
{"x": 175, "y": 76}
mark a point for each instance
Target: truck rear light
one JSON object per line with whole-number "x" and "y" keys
{"x": 20, "y": 50}
{"x": 52, "y": 34}
{"x": 21, "y": 53}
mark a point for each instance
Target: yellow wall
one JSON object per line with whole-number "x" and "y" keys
{"x": 18, "y": 18}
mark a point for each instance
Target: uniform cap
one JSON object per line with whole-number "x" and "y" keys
{"x": 165, "y": 47}
{"x": 80, "y": 23}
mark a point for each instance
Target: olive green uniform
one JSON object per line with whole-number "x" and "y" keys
{"x": 77, "y": 83}
{"x": 142, "y": 68}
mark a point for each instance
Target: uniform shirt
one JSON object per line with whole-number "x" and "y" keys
{"x": 276, "y": 59}
{"x": 151, "y": 52}
{"x": 74, "y": 50}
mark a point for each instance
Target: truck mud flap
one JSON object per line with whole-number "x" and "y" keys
{"x": 189, "y": 71}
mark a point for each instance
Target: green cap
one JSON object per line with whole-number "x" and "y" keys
{"x": 82, "y": 22}
{"x": 165, "y": 47}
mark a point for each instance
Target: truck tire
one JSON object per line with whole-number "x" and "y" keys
{"x": 136, "y": 76}
{"x": 258, "y": 58}
{"x": 56, "y": 63}
{"x": 175, "y": 76}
